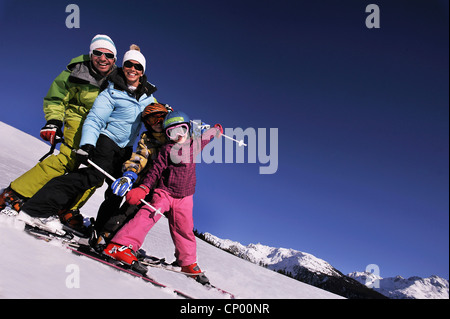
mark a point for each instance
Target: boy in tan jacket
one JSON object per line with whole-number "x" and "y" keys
{"x": 111, "y": 219}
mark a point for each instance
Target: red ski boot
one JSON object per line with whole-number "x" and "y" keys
{"x": 195, "y": 269}
{"x": 10, "y": 198}
{"x": 125, "y": 255}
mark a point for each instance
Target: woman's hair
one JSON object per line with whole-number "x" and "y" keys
{"x": 134, "y": 54}
{"x": 135, "y": 47}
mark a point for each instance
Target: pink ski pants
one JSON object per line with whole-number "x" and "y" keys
{"x": 181, "y": 226}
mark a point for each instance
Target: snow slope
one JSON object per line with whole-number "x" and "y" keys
{"x": 36, "y": 269}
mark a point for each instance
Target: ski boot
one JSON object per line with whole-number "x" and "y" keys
{"x": 100, "y": 242}
{"x": 50, "y": 224}
{"x": 74, "y": 220}
{"x": 195, "y": 269}
{"x": 10, "y": 198}
{"x": 125, "y": 255}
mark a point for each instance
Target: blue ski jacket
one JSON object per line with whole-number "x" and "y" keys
{"x": 116, "y": 112}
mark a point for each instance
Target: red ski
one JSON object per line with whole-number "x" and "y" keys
{"x": 120, "y": 267}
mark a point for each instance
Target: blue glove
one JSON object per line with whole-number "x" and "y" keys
{"x": 123, "y": 184}
{"x": 204, "y": 127}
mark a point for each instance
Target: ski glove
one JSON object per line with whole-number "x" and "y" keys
{"x": 220, "y": 128}
{"x": 203, "y": 127}
{"x": 123, "y": 184}
{"x": 84, "y": 153}
{"x": 168, "y": 108}
{"x": 52, "y": 132}
{"x": 135, "y": 195}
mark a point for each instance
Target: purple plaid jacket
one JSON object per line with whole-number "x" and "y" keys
{"x": 174, "y": 168}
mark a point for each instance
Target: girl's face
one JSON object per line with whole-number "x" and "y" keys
{"x": 181, "y": 139}
{"x": 178, "y": 133}
{"x": 133, "y": 71}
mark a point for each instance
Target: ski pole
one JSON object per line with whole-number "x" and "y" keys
{"x": 52, "y": 148}
{"x": 101, "y": 170}
{"x": 207, "y": 126}
{"x": 241, "y": 142}
{"x": 157, "y": 211}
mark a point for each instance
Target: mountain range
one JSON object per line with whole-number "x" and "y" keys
{"x": 317, "y": 272}
{"x": 433, "y": 287}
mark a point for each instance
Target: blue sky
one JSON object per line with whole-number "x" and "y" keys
{"x": 362, "y": 114}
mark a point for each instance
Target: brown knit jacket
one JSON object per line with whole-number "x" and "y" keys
{"x": 147, "y": 151}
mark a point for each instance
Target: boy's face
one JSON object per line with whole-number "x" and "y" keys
{"x": 158, "y": 128}
{"x": 155, "y": 121}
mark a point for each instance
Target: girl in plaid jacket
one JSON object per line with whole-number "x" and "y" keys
{"x": 173, "y": 173}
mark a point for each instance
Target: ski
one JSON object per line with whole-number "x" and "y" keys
{"x": 87, "y": 252}
{"x": 161, "y": 263}
{"x": 9, "y": 211}
{"x": 69, "y": 237}
{"x": 71, "y": 241}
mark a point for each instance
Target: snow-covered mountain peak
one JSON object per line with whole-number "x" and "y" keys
{"x": 286, "y": 259}
{"x": 433, "y": 287}
{"x": 308, "y": 268}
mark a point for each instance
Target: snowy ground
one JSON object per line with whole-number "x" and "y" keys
{"x": 36, "y": 269}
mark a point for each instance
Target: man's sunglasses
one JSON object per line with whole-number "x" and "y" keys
{"x": 100, "y": 53}
{"x": 137, "y": 66}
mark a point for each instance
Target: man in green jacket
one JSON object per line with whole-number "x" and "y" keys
{"x": 67, "y": 104}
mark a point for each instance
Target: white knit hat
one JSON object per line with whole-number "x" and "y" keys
{"x": 134, "y": 54}
{"x": 104, "y": 42}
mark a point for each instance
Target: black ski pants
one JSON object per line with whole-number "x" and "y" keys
{"x": 111, "y": 216}
{"x": 62, "y": 191}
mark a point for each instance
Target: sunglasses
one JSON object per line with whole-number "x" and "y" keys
{"x": 155, "y": 119}
{"x": 137, "y": 66}
{"x": 178, "y": 130}
{"x": 100, "y": 53}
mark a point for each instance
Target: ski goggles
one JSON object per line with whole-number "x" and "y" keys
{"x": 100, "y": 53}
{"x": 177, "y": 131}
{"x": 137, "y": 66}
{"x": 155, "y": 118}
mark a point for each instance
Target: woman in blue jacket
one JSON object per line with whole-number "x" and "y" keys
{"x": 108, "y": 135}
